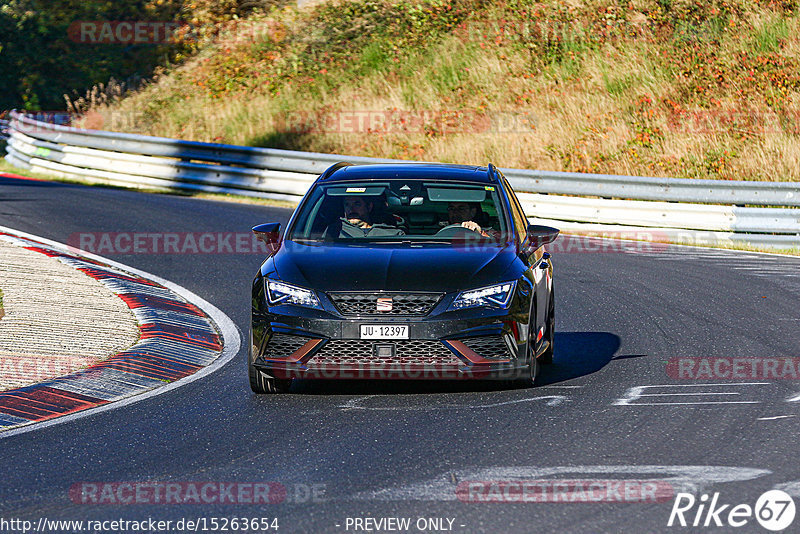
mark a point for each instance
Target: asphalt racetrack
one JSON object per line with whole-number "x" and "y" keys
{"x": 611, "y": 407}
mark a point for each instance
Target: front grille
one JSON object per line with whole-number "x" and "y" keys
{"x": 283, "y": 345}
{"x": 491, "y": 347}
{"x": 361, "y": 352}
{"x": 359, "y": 304}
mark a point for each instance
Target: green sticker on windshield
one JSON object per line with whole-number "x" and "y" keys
{"x": 489, "y": 188}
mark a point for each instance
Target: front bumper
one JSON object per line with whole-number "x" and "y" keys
{"x": 480, "y": 345}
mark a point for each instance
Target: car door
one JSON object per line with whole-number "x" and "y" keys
{"x": 532, "y": 258}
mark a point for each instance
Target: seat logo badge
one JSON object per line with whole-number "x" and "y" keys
{"x": 384, "y": 305}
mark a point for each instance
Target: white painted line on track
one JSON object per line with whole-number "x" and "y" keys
{"x": 774, "y": 418}
{"x": 684, "y": 394}
{"x": 688, "y": 478}
{"x": 690, "y": 403}
{"x": 637, "y": 392}
{"x": 792, "y": 488}
{"x": 355, "y": 404}
{"x": 231, "y": 336}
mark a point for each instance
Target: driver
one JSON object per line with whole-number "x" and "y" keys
{"x": 359, "y": 220}
{"x": 465, "y": 213}
{"x": 358, "y": 211}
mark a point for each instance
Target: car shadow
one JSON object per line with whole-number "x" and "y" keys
{"x": 576, "y": 354}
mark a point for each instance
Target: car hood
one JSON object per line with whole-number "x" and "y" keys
{"x": 392, "y": 268}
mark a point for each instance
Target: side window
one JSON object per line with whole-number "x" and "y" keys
{"x": 520, "y": 221}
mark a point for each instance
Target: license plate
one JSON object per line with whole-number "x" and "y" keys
{"x": 373, "y": 331}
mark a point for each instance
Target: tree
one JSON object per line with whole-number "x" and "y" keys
{"x": 40, "y": 60}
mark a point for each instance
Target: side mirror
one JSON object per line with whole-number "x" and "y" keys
{"x": 270, "y": 235}
{"x": 539, "y": 235}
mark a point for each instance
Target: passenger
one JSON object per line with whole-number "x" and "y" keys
{"x": 465, "y": 214}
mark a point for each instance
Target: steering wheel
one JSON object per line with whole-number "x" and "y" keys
{"x": 455, "y": 230}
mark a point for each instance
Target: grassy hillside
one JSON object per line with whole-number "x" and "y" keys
{"x": 707, "y": 89}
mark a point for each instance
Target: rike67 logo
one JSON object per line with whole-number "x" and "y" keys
{"x": 774, "y": 511}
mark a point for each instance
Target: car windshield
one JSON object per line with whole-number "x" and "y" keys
{"x": 401, "y": 211}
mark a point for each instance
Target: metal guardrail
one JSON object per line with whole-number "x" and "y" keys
{"x": 663, "y": 214}
{"x": 155, "y": 162}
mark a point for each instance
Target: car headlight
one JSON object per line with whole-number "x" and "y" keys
{"x": 492, "y": 296}
{"x": 282, "y": 293}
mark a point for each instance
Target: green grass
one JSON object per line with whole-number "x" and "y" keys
{"x": 374, "y": 58}
{"x": 770, "y": 36}
{"x": 6, "y": 167}
{"x": 614, "y": 87}
{"x": 618, "y": 84}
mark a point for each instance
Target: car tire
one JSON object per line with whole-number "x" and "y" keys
{"x": 550, "y": 335}
{"x": 529, "y": 379}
